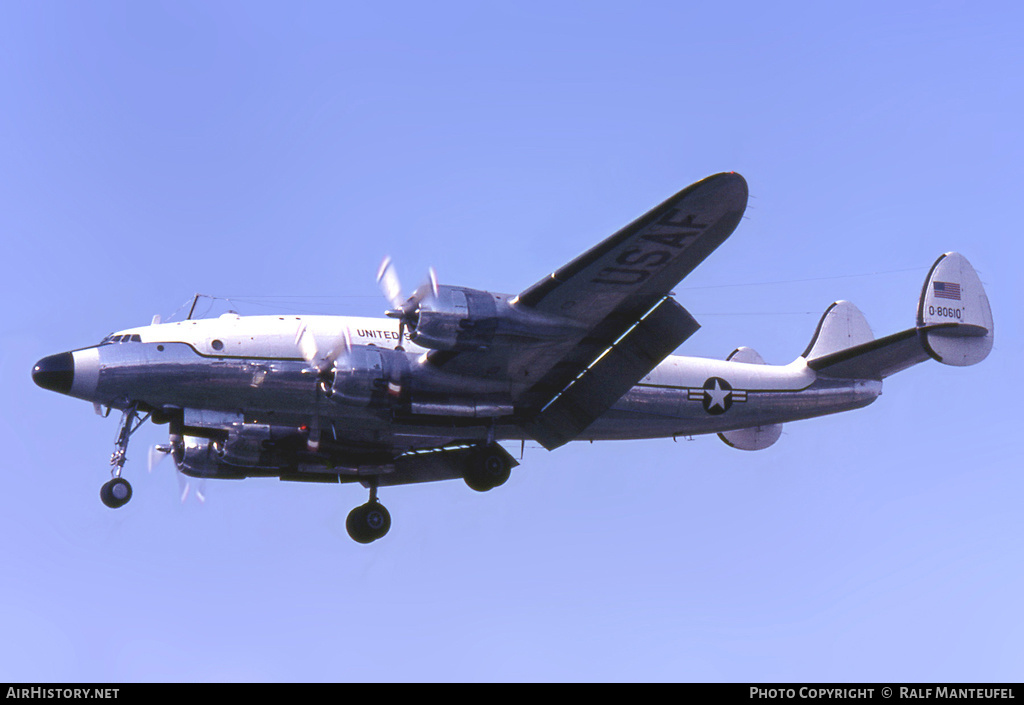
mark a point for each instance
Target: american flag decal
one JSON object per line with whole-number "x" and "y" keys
{"x": 946, "y": 290}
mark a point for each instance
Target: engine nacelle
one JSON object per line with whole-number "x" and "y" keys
{"x": 362, "y": 376}
{"x": 456, "y": 319}
{"x": 197, "y": 457}
{"x": 253, "y": 444}
{"x": 247, "y": 449}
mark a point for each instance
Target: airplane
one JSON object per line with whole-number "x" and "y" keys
{"x": 430, "y": 391}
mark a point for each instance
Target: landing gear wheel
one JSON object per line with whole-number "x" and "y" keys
{"x": 116, "y": 493}
{"x": 368, "y": 522}
{"x": 487, "y": 469}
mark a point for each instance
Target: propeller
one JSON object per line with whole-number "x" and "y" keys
{"x": 321, "y": 360}
{"x": 185, "y": 486}
{"x": 157, "y": 453}
{"x": 156, "y": 456}
{"x": 405, "y": 310}
{"x": 387, "y": 280}
{"x": 321, "y": 363}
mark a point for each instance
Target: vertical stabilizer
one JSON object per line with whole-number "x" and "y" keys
{"x": 755, "y": 437}
{"x": 954, "y": 313}
{"x": 745, "y": 354}
{"x": 842, "y": 326}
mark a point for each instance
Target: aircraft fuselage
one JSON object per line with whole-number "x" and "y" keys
{"x": 252, "y": 369}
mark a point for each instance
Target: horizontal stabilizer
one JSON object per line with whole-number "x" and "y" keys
{"x": 875, "y": 360}
{"x": 954, "y": 326}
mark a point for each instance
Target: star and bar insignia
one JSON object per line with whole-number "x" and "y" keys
{"x": 717, "y": 396}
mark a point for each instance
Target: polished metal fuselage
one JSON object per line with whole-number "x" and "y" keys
{"x": 251, "y": 370}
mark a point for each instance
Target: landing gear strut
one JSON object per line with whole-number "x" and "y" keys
{"x": 117, "y": 491}
{"x": 368, "y": 522}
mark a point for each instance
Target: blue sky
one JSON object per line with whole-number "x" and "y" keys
{"x": 259, "y": 151}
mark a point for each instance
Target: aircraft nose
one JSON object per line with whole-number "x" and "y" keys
{"x": 55, "y": 372}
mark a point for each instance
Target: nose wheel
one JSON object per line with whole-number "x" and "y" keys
{"x": 116, "y": 493}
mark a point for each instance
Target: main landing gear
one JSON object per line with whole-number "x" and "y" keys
{"x": 117, "y": 491}
{"x": 368, "y": 522}
{"x": 485, "y": 468}
{"x": 488, "y": 467}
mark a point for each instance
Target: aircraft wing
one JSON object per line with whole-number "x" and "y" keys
{"x": 617, "y": 297}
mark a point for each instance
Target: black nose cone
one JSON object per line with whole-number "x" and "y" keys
{"x": 55, "y": 372}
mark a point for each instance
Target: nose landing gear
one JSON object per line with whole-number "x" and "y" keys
{"x": 117, "y": 491}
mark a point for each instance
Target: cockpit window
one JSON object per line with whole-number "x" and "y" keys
{"x": 122, "y": 338}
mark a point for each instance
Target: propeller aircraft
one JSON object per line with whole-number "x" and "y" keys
{"x": 428, "y": 392}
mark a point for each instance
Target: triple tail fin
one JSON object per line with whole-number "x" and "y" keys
{"x": 841, "y": 327}
{"x": 754, "y": 437}
{"x": 954, "y": 326}
{"x": 954, "y": 313}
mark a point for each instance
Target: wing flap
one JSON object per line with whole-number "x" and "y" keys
{"x": 615, "y": 371}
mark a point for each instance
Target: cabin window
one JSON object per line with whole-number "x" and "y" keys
{"x": 216, "y": 345}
